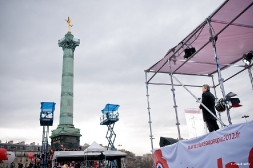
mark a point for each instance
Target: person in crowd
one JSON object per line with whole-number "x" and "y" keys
{"x": 65, "y": 166}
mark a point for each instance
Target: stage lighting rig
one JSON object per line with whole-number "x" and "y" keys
{"x": 247, "y": 58}
{"x": 189, "y": 52}
{"x": 231, "y": 102}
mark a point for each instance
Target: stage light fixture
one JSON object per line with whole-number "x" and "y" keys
{"x": 232, "y": 102}
{"x": 189, "y": 52}
{"x": 220, "y": 105}
{"x": 247, "y": 58}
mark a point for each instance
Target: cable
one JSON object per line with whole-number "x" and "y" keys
{"x": 190, "y": 45}
{"x": 197, "y": 35}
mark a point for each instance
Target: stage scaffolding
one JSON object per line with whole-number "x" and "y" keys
{"x": 221, "y": 29}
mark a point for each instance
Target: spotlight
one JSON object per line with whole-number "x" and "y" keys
{"x": 247, "y": 58}
{"x": 189, "y": 52}
{"x": 220, "y": 105}
{"x": 232, "y": 102}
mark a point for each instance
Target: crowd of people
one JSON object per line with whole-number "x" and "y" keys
{"x": 90, "y": 164}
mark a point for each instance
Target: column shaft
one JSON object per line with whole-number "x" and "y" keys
{"x": 66, "y": 109}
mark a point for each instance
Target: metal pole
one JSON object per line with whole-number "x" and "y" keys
{"x": 175, "y": 103}
{"x": 199, "y": 101}
{"x": 221, "y": 80}
{"x": 214, "y": 88}
{"x": 149, "y": 117}
{"x": 43, "y": 147}
{"x": 45, "y": 164}
{"x": 234, "y": 18}
{"x": 250, "y": 75}
{"x": 235, "y": 74}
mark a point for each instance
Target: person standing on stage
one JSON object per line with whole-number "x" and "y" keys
{"x": 208, "y": 100}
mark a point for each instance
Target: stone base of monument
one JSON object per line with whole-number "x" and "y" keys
{"x": 65, "y": 138}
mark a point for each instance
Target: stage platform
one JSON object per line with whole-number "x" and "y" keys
{"x": 229, "y": 147}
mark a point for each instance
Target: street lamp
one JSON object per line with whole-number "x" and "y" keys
{"x": 119, "y": 145}
{"x": 245, "y": 116}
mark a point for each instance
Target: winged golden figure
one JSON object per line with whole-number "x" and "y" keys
{"x": 69, "y": 25}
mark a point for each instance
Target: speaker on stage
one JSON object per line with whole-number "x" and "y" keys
{"x": 164, "y": 141}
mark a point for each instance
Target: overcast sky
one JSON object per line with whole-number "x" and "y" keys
{"x": 118, "y": 41}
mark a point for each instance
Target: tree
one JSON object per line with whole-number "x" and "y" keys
{"x": 146, "y": 161}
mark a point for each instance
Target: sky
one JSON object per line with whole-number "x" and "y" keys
{"x": 118, "y": 41}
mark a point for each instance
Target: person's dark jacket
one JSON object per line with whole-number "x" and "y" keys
{"x": 208, "y": 100}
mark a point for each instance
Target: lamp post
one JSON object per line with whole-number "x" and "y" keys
{"x": 245, "y": 116}
{"x": 119, "y": 146}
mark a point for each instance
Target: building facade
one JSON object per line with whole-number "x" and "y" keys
{"x": 21, "y": 151}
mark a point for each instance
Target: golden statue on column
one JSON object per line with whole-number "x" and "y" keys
{"x": 69, "y": 25}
